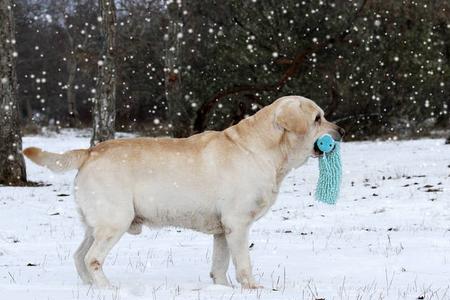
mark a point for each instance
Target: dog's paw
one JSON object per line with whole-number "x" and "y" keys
{"x": 245, "y": 278}
{"x": 250, "y": 283}
{"x": 251, "y": 286}
{"x": 103, "y": 284}
{"x": 219, "y": 279}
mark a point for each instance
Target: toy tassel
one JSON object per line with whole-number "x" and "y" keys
{"x": 330, "y": 174}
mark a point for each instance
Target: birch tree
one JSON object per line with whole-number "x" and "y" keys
{"x": 104, "y": 108}
{"x": 12, "y": 165}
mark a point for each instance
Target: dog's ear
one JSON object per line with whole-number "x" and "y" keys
{"x": 290, "y": 117}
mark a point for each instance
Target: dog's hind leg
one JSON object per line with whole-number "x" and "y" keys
{"x": 80, "y": 255}
{"x": 104, "y": 239}
{"x": 221, "y": 260}
{"x": 107, "y": 208}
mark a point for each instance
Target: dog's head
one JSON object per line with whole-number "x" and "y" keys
{"x": 304, "y": 122}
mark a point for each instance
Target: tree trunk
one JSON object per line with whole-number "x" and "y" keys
{"x": 104, "y": 110}
{"x": 74, "y": 117}
{"x": 177, "y": 105}
{"x": 12, "y": 165}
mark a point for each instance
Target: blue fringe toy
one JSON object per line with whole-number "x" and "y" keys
{"x": 330, "y": 170}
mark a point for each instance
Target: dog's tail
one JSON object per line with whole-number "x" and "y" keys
{"x": 58, "y": 163}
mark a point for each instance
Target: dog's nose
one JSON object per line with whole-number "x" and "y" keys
{"x": 341, "y": 131}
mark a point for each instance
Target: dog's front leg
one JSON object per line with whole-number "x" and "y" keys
{"x": 237, "y": 239}
{"x": 221, "y": 260}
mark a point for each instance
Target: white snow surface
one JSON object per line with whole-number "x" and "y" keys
{"x": 388, "y": 237}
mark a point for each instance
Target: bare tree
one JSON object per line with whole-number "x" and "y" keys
{"x": 12, "y": 165}
{"x": 104, "y": 110}
{"x": 74, "y": 118}
{"x": 177, "y": 105}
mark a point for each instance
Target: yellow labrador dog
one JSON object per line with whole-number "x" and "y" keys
{"x": 213, "y": 182}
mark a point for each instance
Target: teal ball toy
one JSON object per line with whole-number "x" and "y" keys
{"x": 325, "y": 143}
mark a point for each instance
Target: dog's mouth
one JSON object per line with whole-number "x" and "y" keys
{"x": 316, "y": 151}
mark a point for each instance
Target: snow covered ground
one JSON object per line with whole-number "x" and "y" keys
{"x": 387, "y": 238}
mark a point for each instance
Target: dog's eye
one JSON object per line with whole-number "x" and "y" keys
{"x": 317, "y": 118}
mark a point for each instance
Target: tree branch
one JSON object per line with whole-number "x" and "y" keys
{"x": 200, "y": 121}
